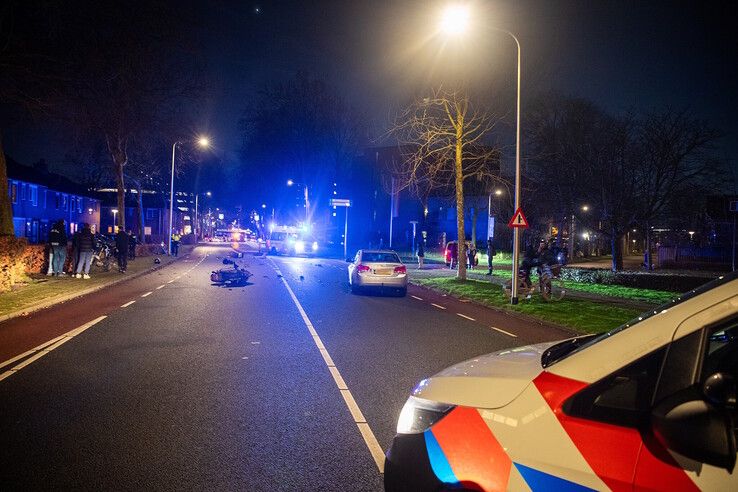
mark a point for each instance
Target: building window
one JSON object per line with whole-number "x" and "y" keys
{"x": 33, "y": 192}
{"x": 72, "y": 203}
{"x": 14, "y": 192}
{"x": 46, "y": 196}
{"x": 57, "y": 201}
{"x": 23, "y": 191}
{"x": 150, "y": 213}
{"x": 79, "y": 204}
{"x": 65, "y": 202}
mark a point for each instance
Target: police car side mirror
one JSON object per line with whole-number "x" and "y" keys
{"x": 719, "y": 389}
{"x": 690, "y": 425}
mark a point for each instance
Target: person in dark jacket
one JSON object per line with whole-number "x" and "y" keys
{"x": 132, "y": 242}
{"x": 421, "y": 254}
{"x": 491, "y": 252}
{"x": 121, "y": 247}
{"x": 86, "y": 247}
{"x": 57, "y": 248}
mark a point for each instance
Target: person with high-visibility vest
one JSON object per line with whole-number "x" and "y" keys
{"x": 175, "y": 243}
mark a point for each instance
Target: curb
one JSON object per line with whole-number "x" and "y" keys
{"x": 521, "y": 316}
{"x": 68, "y": 297}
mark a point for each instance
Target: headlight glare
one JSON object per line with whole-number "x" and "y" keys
{"x": 418, "y": 415}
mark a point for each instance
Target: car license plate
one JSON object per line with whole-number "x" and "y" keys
{"x": 383, "y": 271}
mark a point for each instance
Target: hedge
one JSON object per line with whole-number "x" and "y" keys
{"x": 672, "y": 282}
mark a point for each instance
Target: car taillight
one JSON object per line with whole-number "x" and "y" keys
{"x": 362, "y": 268}
{"x": 401, "y": 269}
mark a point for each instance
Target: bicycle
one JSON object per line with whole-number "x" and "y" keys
{"x": 550, "y": 284}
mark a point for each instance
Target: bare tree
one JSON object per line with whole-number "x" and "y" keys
{"x": 675, "y": 161}
{"x": 442, "y": 140}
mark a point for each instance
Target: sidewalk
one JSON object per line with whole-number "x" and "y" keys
{"x": 43, "y": 291}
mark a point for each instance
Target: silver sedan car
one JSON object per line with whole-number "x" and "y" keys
{"x": 377, "y": 269}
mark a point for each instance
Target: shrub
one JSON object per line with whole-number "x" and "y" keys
{"x": 672, "y": 282}
{"x": 12, "y": 264}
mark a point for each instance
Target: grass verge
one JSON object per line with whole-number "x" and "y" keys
{"x": 582, "y": 315}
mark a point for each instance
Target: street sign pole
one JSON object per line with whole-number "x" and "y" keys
{"x": 345, "y": 235}
{"x": 346, "y": 203}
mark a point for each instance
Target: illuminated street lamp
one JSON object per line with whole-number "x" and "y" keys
{"x": 203, "y": 142}
{"x": 454, "y": 21}
{"x": 115, "y": 222}
{"x": 307, "y": 202}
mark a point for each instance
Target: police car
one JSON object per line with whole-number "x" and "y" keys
{"x": 650, "y": 405}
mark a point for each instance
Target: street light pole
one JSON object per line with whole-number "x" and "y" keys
{"x": 171, "y": 201}
{"x": 516, "y": 230}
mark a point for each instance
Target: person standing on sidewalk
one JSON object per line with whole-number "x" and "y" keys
{"x": 58, "y": 242}
{"x": 421, "y": 254}
{"x": 132, "y": 242}
{"x": 491, "y": 252}
{"x": 86, "y": 247}
{"x": 121, "y": 249}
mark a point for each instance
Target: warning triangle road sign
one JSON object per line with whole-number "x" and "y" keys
{"x": 518, "y": 219}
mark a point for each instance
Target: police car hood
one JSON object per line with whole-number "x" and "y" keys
{"x": 487, "y": 381}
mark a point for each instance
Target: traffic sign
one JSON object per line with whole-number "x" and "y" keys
{"x": 340, "y": 202}
{"x": 518, "y": 219}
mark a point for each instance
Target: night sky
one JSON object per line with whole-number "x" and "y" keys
{"x": 624, "y": 55}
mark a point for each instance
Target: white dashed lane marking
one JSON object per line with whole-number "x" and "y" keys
{"x": 416, "y": 297}
{"x": 147, "y": 294}
{"x": 438, "y": 306}
{"x": 160, "y": 287}
{"x": 504, "y": 332}
{"x": 127, "y": 304}
{"x": 465, "y": 316}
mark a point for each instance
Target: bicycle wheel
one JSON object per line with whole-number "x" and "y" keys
{"x": 545, "y": 287}
{"x": 558, "y": 289}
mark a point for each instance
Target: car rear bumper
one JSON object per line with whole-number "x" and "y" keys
{"x": 398, "y": 282}
{"x": 407, "y": 467}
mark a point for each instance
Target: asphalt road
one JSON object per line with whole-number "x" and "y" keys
{"x": 195, "y": 386}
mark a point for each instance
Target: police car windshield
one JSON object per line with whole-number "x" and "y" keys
{"x": 562, "y": 350}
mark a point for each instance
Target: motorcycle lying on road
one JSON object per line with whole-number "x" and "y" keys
{"x": 230, "y": 276}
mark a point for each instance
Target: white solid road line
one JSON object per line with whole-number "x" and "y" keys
{"x": 366, "y": 432}
{"x": 127, "y": 304}
{"x": 147, "y": 294}
{"x": 436, "y": 305}
{"x": 465, "y": 316}
{"x": 29, "y": 352}
{"x": 416, "y": 297}
{"x": 504, "y": 332}
{"x": 45, "y": 348}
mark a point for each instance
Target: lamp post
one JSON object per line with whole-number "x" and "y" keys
{"x": 455, "y": 20}
{"x": 197, "y": 223}
{"x": 307, "y": 202}
{"x": 115, "y": 222}
{"x": 202, "y": 142}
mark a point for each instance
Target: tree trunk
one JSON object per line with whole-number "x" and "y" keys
{"x": 461, "y": 272}
{"x": 6, "y": 208}
{"x": 572, "y": 235}
{"x": 617, "y": 250}
{"x": 474, "y": 217}
{"x": 120, "y": 158}
{"x": 647, "y": 260}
